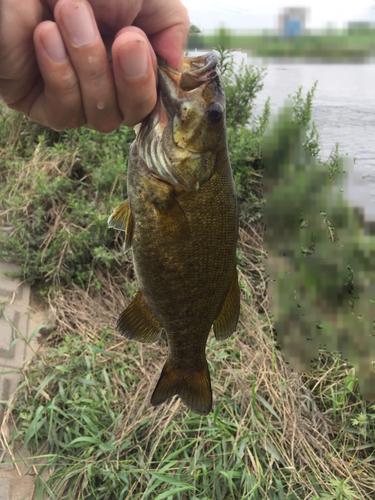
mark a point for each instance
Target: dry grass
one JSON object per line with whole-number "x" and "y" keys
{"x": 271, "y": 431}
{"x": 277, "y": 426}
{"x": 50, "y": 206}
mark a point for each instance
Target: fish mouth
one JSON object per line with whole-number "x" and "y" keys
{"x": 173, "y": 86}
{"x": 167, "y": 160}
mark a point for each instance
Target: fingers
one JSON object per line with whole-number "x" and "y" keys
{"x": 170, "y": 45}
{"x": 79, "y": 86}
{"x": 79, "y": 83}
{"x": 18, "y": 66}
{"x": 88, "y": 57}
{"x": 166, "y": 23}
{"x": 59, "y": 104}
{"x": 64, "y": 78}
{"x": 134, "y": 66}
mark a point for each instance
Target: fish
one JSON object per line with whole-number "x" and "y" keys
{"x": 181, "y": 222}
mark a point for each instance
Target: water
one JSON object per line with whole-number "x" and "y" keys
{"x": 343, "y": 111}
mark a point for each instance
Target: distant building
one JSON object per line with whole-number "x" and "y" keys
{"x": 292, "y": 21}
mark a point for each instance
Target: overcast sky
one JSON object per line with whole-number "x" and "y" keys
{"x": 242, "y": 14}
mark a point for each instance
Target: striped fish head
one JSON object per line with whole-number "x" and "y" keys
{"x": 182, "y": 136}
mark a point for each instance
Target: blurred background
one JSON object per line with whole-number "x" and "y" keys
{"x": 266, "y": 15}
{"x": 301, "y": 43}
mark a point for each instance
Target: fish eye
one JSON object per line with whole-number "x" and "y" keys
{"x": 215, "y": 112}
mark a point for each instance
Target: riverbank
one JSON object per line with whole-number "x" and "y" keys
{"x": 85, "y": 397}
{"x": 339, "y": 46}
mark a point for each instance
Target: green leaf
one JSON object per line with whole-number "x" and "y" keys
{"x": 268, "y": 406}
{"x": 44, "y": 383}
{"x": 99, "y": 350}
{"x": 86, "y": 440}
{"x": 172, "y": 492}
{"x": 177, "y": 452}
{"x": 271, "y": 448}
{"x": 35, "y": 425}
{"x": 170, "y": 480}
{"x": 37, "y": 330}
{"x": 63, "y": 369}
{"x": 85, "y": 381}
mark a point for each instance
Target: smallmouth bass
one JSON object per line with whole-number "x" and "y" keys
{"x": 181, "y": 221}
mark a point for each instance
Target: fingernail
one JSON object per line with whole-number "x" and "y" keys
{"x": 78, "y": 23}
{"x": 53, "y": 44}
{"x": 133, "y": 59}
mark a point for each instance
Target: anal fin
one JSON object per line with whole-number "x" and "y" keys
{"x": 226, "y": 322}
{"x": 122, "y": 219}
{"x": 137, "y": 321}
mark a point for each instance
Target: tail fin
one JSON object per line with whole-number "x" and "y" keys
{"x": 194, "y": 388}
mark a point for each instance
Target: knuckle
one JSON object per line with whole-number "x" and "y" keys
{"x": 65, "y": 92}
{"x": 64, "y": 122}
{"x": 70, "y": 88}
{"x": 96, "y": 69}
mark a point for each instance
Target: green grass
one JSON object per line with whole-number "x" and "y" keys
{"x": 83, "y": 406}
{"x": 341, "y": 45}
{"x": 58, "y": 230}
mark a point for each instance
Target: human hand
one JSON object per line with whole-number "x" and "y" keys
{"x": 66, "y": 63}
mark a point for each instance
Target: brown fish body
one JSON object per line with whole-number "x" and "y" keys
{"x": 183, "y": 238}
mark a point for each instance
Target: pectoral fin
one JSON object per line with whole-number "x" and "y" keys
{"x": 137, "y": 321}
{"x": 176, "y": 220}
{"x": 122, "y": 219}
{"x": 226, "y": 322}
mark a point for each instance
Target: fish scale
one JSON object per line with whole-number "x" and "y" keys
{"x": 181, "y": 220}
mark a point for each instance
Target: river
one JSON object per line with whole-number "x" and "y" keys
{"x": 343, "y": 111}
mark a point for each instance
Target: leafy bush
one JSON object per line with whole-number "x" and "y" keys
{"x": 86, "y": 398}
{"x": 244, "y": 131}
{"x": 57, "y": 190}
